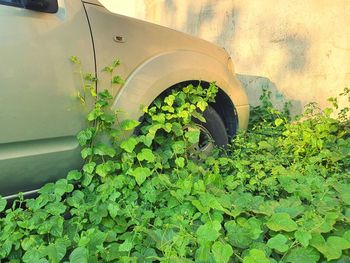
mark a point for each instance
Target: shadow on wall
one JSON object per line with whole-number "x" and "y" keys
{"x": 254, "y": 85}
{"x": 195, "y": 19}
{"x": 273, "y": 49}
{"x": 297, "y": 47}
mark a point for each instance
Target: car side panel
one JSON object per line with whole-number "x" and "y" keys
{"x": 39, "y": 113}
{"x": 140, "y": 42}
{"x": 165, "y": 70}
{"x": 154, "y": 58}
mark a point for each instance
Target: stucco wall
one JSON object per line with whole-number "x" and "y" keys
{"x": 298, "y": 48}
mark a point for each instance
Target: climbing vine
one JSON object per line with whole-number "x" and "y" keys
{"x": 278, "y": 193}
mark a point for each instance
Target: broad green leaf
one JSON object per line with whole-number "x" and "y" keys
{"x": 278, "y": 122}
{"x": 140, "y": 174}
{"x": 32, "y": 255}
{"x": 278, "y": 243}
{"x": 199, "y": 187}
{"x": 94, "y": 114}
{"x": 289, "y": 184}
{"x": 178, "y": 147}
{"x": 177, "y": 128}
{"x": 55, "y": 208}
{"x": 103, "y": 149}
{"x": 208, "y": 232}
{"x": 164, "y": 179}
{"x": 107, "y": 168}
{"x": 86, "y": 152}
{"x": 243, "y": 232}
{"x": 56, "y": 226}
{"x": 210, "y": 201}
{"x": 74, "y": 175}
{"x": 79, "y": 255}
{"x": 146, "y": 255}
{"x": 89, "y": 167}
{"x": 203, "y": 253}
{"x": 146, "y": 139}
{"x": 103, "y": 101}
{"x": 29, "y": 242}
{"x": 146, "y": 154}
{"x": 113, "y": 209}
{"x": 332, "y": 248}
{"x": 96, "y": 237}
{"x": 167, "y": 127}
{"x": 221, "y": 252}
{"x": 83, "y": 241}
{"x": 202, "y": 105}
{"x": 303, "y": 237}
{"x": 281, "y": 221}
{"x": 328, "y": 221}
{"x": 129, "y": 144}
{"x": 126, "y": 246}
{"x": 303, "y": 255}
{"x": 76, "y": 198}
{"x": 169, "y": 100}
{"x": 154, "y": 128}
{"x": 206, "y": 202}
{"x": 168, "y": 109}
{"x": 87, "y": 179}
{"x": 56, "y": 251}
{"x": 62, "y": 186}
{"x": 127, "y": 125}
{"x": 184, "y": 114}
{"x": 201, "y": 208}
{"x": 291, "y": 206}
{"x": 256, "y": 256}
{"x": 193, "y": 135}
{"x": 264, "y": 145}
{"x": 180, "y": 162}
{"x": 198, "y": 116}
{"x": 346, "y": 235}
{"x": 160, "y": 120}
{"x": 344, "y": 193}
{"x": 37, "y": 203}
{"x": 3, "y": 203}
{"x": 84, "y": 136}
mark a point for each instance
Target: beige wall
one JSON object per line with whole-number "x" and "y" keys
{"x": 298, "y": 48}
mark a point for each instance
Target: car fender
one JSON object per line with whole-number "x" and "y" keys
{"x": 160, "y": 72}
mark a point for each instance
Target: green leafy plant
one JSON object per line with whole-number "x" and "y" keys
{"x": 278, "y": 193}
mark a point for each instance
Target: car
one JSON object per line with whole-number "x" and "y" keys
{"x": 39, "y": 113}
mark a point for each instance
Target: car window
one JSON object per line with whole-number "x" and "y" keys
{"x": 11, "y": 2}
{"x": 35, "y": 5}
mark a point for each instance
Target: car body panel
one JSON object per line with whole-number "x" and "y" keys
{"x": 39, "y": 113}
{"x": 154, "y": 58}
{"x": 142, "y": 41}
{"x": 166, "y": 70}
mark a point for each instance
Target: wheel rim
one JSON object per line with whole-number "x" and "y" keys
{"x": 206, "y": 141}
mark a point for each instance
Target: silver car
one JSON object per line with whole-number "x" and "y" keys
{"x": 39, "y": 113}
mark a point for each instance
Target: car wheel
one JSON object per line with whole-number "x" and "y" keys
{"x": 213, "y": 131}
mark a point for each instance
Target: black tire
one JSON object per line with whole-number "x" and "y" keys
{"x": 215, "y": 126}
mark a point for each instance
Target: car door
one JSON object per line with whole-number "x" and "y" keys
{"x": 39, "y": 113}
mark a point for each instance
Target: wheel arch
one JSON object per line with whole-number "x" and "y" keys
{"x": 167, "y": 70}
{"x": 222, "y": 105}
